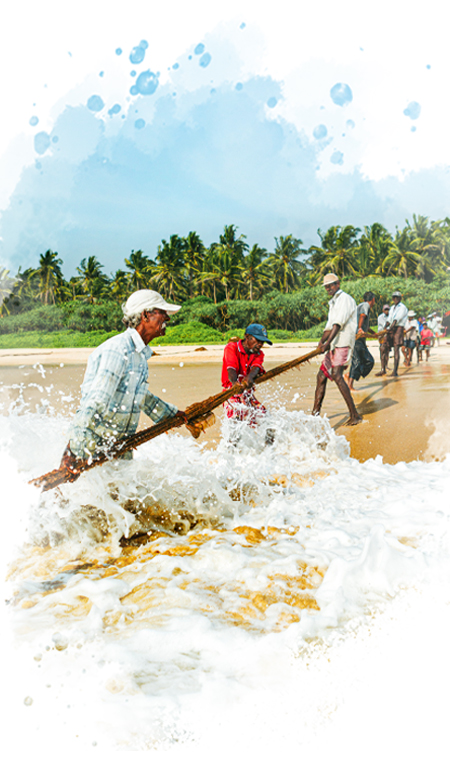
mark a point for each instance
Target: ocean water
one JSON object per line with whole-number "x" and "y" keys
{"x": 231, "y": 601}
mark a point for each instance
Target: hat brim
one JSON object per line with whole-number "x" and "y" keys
{"x": 169, "y": 309}
{"x": 262, "y": 339}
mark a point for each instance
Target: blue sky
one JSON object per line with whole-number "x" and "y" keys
{"x": 124, "y": 126}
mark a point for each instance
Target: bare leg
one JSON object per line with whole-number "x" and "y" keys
{"x": 354, "y": 417}
{"x": 321, "y": 386}
{"x": 384, "y": 358}
{"x": 349, "y": 380}
{"x": 396, "y": 361}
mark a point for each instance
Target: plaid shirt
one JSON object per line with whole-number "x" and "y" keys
{"x": 113, "y": 393}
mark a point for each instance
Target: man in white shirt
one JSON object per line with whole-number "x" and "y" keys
{"x": 383, "y": 318}
{"x": 412, "y": 335}
{"x": 397, "y": 318}
{"x": 337, "y": 343}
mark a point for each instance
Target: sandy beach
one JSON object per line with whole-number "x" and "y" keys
{"x": 405, "y": 419}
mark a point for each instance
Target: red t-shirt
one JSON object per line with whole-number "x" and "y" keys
{"x": 235, "y": 357}
{"x": 426, "y": 336}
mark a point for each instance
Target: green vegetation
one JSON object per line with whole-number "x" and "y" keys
{"x": 226, "y": 285}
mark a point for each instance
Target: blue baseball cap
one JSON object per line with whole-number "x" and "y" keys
{"x": 259, "y": 332}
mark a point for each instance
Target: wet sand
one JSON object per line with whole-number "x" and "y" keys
{"x": 405, "y": 419}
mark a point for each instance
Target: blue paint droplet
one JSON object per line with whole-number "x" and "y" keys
{"x": 239, "y": 86}
{"x": 243, "y": 25}
{"x": 69, "y": 53}
{"x": 134, "y": 90}
{"x": 205, "y": 59}
{"x": 320, "y": 131}
{"x": 114, "y": 109}
{"x": 118, "y": 51}
{"x": 175, "y": 66}
{"x": 337, "y": 158}
{"x": 100, "y": 74}
{"x": 137, "y": 55}
{"x": 272, "y": 102}
{"x": 350, "y": 124}
{"x": 213, "y": 91}
{"x": 41, "y": 142}
{"x": 143, "y": 44}
{"x": 38, "y": 165}
{"x": 413, "y": 110}
{"x": 341, "y": 94}
{"x": 133, "y": 73}
{"x": 95, "y": 103}
{"x": 55, "y": 139}
{"x": 34, "y": 120}
{"x": 428, "y": 66}
{"x": 147, "y": 83}
{"x": 199, "y": 49}
{"x": 413, "y": 128}
{"x": 189, "y": 57}
{"x": 139, "y": 123}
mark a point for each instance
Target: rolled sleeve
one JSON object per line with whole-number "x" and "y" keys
{"x": 157, "y": 409}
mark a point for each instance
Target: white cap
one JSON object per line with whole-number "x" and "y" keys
{"x": 411, "y": 313}
{"x": 144, "y": 299}
{"x": 330, "y": 278}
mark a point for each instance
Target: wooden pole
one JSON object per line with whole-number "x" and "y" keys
{"x": 194, "y": 412}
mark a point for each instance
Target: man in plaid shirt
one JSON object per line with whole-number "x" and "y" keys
{"x": 114, "y": 389}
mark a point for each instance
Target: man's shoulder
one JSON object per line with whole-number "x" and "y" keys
{"x": 119, "y": 342}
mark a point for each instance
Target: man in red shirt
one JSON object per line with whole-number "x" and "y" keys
{"x": 426, "y": 338}
{"x": 243, "y": 362}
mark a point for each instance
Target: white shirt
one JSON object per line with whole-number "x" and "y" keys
{"x": 398, "y": 313}
{"x": 343, "y": 312}
{"x": 412, "y": 329}
{"x": 382, "y": 321}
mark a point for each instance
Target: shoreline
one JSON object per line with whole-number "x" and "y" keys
{"x": 163, "y": 354}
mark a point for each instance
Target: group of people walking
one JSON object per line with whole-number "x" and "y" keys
{"x": 114, "y": 390}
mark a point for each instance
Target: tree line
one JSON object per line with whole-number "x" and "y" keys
{"x": 231, "y": 269}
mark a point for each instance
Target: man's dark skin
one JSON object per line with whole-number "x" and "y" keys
{"x": 152, "y": 324}
{"x": 337, "y": 372}
{"x": 385, "y": 356}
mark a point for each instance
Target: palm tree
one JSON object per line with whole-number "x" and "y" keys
{"x": 50, "y": 277}
{"x": 336, "y": 254}
{"x": 141, "y": 270}
{"x": 7, "y": 285}
{"x": 372, "y": 249}
{"x": 93, "y": 280}
{"x": 255, "y": 271}
{"x": 194, "y": 252}
{"x": 169, "y": 272}
{"x": 209, "y": 275}
{"x": 119, "y": 285}
{"x": 401, "y": 258}
{"x": 284, "y": 262}
{"x": 431, "y": 244}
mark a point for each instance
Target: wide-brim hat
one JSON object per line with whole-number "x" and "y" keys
{"x": 259, "y": 332}
{"x": 145, "y": 299}
{"x": 411, "y": 313}
{"x": 330, "y": 278}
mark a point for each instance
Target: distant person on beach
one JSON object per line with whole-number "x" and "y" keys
{"x": 243, "y": 362}
{"x": 398, "y": 314}
{"x": 362, "y": 359}
{"x": 383, "y": 318}
{"x": 337, "y": 343}
{"x": 426, "y": 340}
{"x": 412, "y": 338}
{"x": 114, "y": 389}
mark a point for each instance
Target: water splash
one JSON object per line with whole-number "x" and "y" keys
{"x": 341, "y": 94}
